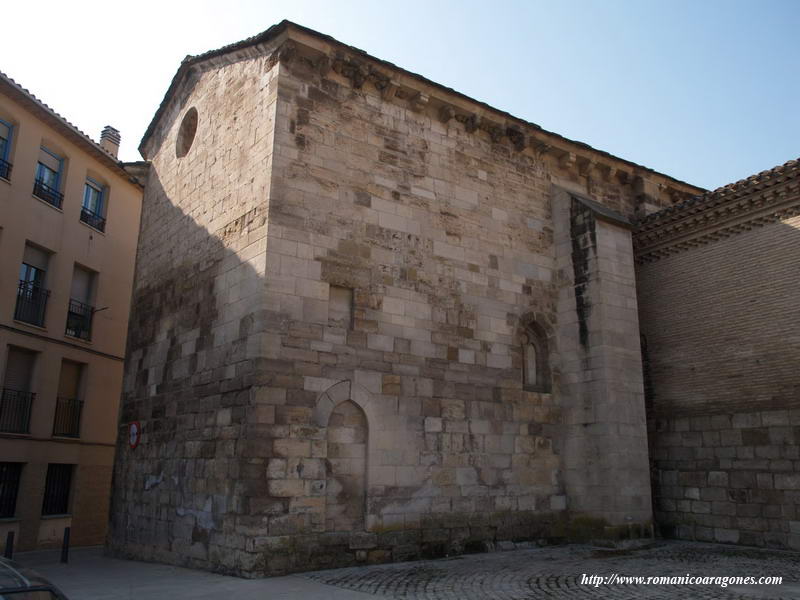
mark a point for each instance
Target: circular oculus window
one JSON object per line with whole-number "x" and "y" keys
{"x": 186, "y": 133}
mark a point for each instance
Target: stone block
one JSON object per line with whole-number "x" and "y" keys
{"x": 746, "y": 420}
{"x": 292, "y": 448}
{"x": 285, "y": 487}
{"x": 726, "y": 536}
{"x": 787, "y": 481}
{"x": 718, "y": 478}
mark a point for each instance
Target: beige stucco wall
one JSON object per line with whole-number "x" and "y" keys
{"x": 25, "y": 218}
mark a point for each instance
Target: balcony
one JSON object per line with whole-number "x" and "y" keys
{"x": 5, "y": 169}
{"x": 48, "y": 194}
{"x": 31, "y": 303}
{"x": 15, "y": 411}
{"x": 79, "y": 320}
{"x": 93, "y": 219}
{"x": 67, "y": 422}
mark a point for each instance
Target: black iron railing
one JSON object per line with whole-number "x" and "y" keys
{"x": 79, "y": 320}
{"x": 9, "y": 487}
{"x": 5, "y": 169}
{"x": 31, "y": 303}
{"x": 93, "y": 219}
{"x": 56, "y": 489}
{"x": 15, "y": 411}
{"x": 48, "y": 194}
{"x": 67, "y": 422}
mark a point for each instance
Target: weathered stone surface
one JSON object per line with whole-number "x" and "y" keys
{"x": 336, "y": 288}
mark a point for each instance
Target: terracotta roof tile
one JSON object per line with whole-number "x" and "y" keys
{"x": 14, "y": 90}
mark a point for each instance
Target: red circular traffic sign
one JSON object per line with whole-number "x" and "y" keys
{"x": 134, "y": 434}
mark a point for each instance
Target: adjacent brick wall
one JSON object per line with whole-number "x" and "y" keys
{"x": 720, "y": 325}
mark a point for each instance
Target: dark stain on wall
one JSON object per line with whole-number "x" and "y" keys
{"x": 584, "y": 244}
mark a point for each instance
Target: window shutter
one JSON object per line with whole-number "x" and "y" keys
{"x": 81, "y": 285}
{"x": 35, "y": 257}
{"x": 69, "y": 380}
{"x": 19, "y": 369}
{"x": 49, "y": 160}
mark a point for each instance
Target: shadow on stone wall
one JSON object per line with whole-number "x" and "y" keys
{"x": 188, "y": 380}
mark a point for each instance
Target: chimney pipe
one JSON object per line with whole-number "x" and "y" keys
{"x": 109, "y": 140}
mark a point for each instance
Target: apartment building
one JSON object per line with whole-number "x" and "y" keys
{"x": 69, "y": 222}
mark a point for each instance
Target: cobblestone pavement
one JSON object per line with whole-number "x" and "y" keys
{"x": 555, "y": 572}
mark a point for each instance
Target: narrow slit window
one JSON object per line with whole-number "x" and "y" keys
{"x": 530, "y": 364}
{"x": 535, "y": 360}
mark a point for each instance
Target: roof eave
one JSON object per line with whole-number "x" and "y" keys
{"x": 25, "y": 98}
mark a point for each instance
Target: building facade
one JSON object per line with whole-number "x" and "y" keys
{"x": 721, "y": 361}
{"x": 373, "y": 320}
{"x": 69, "y": 219}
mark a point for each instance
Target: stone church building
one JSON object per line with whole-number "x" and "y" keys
{"x": 375, "y": 319}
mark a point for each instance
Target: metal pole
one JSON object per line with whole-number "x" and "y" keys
{"x": 65, "y": 546}
{"x": 9, "y": 551}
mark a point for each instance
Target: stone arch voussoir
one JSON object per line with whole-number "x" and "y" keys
{"x": 338, "y": 393}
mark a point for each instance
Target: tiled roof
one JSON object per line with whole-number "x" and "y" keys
{"x": 754, "y": 183}
{"x": 15, "y": 91}
{"x": 279, "y": 28}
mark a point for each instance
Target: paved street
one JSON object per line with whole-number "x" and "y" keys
{"x": 551, "y": 572}
{"x": 92, "y": 576}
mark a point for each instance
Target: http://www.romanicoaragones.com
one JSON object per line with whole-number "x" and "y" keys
{"x": 688, "y": 579}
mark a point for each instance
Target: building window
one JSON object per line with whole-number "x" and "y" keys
{"x": 81, "y": 311}
{"x": 530, "y": 364}
{"x": 56, "y": 489}
{"x": 340, "y": 308}
{"x": 535, "y": 360}
{"x": 31, "y": 293}
{"x": 6, "y": 130}
{"x": 48, "y": 177}
{"x": 67, "y": 421}
{"x": 17, "y": 399}
{"x": 186, "y": 133}
{"x": 9, "y": 488}
{"x": 93, "y": 208}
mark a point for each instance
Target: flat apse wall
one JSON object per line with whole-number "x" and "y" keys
{"x": 326, "y": 350}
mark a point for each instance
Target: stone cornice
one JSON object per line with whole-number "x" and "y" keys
{"x": 574, "y": 160}
{"x": 360, "y": 71}
{"x": 761, "y": 199}
{"x": 293, "y": 44}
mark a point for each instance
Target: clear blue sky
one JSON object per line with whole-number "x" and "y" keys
{"x": 705, "y": 90}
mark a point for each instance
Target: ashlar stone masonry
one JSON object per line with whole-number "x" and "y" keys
{"x": 374, "y": 320}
